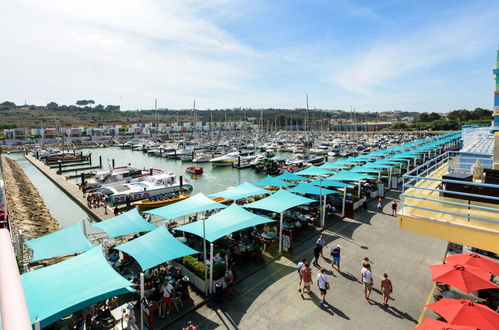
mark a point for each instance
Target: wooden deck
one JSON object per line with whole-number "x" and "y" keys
{"x": 70, "y": 189}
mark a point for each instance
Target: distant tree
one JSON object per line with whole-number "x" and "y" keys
{"x": 52, "y": 106}
{"x": 91, "y": 102}
{"x": 461, "y": 115}
{"x": 480, "y": 113}
{"x": 82, "y": 102}
{"x": 112, "y": 107}
{"x": 99, "y": 107}
{"x": 423, "y": 117}
{"x": 399, "y": 126}
{"x": 7, "y": 105}
{"x": 434, "y": 116}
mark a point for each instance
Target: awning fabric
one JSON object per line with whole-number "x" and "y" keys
{"x": 329, "y": 166}
{"x": 155, "y": 248}
{"x": 365, "y": 169}
{"x": 291, "y": 177}
{"x": 225, "y": 222}
{"x": 349, "y": 176}
{"x": 243, "y": 190}
{"x": 330, "y": 183}
{"x": 67, "y": 240}
{"x": 130, "y": 222}
{"x": 193, "y": 204}
{"x": 308, "y": 188}
{"x": 60, "y": 289}
{"x": 280, "y": 201}
{"x": 269, "y": 181}
{"x": 314, "y": 170}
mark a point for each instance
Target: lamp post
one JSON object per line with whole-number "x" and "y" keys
{"x": 204, "y": 257}
{"x": 280, "y": 232}
{"x": 211, "y": 267}
{"x": 140, "y": 302}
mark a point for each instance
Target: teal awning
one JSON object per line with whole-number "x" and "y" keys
{"x": 330, "y": 183}
{"x": 329, "y": 166}
{"x": 130, "y": 222}
{"x": 225, "y": 222}
{"x": 67, "y": 240}
{"x": 291, "y": 177}
{"x": 243, "y": 190}
{"x": 364, "y": 169}
{"x": 280, "y": 201}
{"x": 58, "y": 290}
{"x": 269, "y": 181}
{"x": 308, "y": 188}
{"x": 193, "y": 204}
{"x": 349, "y": 176}
{"x": 155, "y": 248}
{"x": 314, "y": 170}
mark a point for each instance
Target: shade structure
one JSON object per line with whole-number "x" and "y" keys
{"x": 155, "y": 248}
{"x": 243, "y": 190}
{"x": 225, "y": 222}
{"x": 349, "y": 176}
{"x": 71, "y": 285}
{"x": 330, "y": 183}
{"x": 466, "y": 312}
{"x": 67, "y": 240}
{"x": 474, "y": 260}
{"x": 269, "y": 181}
{"x": 280, "y": 201}
{"x": 329, "y": 166}
{"x": 193, "y": 204}
{"x": 432, "y": 324}
{"x": 130, "y": 222}
{"x": 308, "y": 188}
{"x": 466, "y": 278}
{"x": 314, "y": 171}
{"x": 291, "y": 177}
{"x": 364, "y": 169}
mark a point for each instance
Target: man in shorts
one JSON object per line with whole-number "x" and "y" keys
{"x": 367, "y": 280}
{"x": 166, "y": 300}
{"x": 299, "y": 267}
{"x": 335, "y": 254}
{"x": 323, "y": 284}
{"x": 306, "y": 275}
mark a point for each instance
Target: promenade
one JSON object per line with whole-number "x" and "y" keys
{"x": 269, "y": 298}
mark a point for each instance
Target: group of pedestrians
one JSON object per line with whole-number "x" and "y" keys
{"x": 381, "y": 203}
{"x": 305, "y": 274}
{"x": 95, "y": 200}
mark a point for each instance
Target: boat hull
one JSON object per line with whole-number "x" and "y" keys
{"x": 145, "y": 204}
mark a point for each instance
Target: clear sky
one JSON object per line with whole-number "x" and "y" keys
{"x": 414, "y": 55}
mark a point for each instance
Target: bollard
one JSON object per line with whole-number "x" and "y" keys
{"x": 181, "y": 180}
{"x": 60, "y": 167}
{"x": 100, "y": 161}
{"x": 90, "y": 159}
{"x": 82, "y": 175}
{"x": 150, "y": 171}
{"x": 113, "y": 163}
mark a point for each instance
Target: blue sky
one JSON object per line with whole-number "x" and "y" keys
{"x": 371, "y": 55}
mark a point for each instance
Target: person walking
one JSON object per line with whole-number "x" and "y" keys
{"x": 131, "y": 324}
{"x": 299, "y": 266}
{"x": 306, "y": 274}
{"x": 104, "y": 203}
{"x": 167, "y": 289}
{"x": 116, "y": 211}
{"x": 380, "y": 204}
{"x": 317, "y": 252}
{"x": 367, "y": 279}
{"x": 394, "y": 207}
{"x": 386, "y": 289}
{"x": 229, "y": 280}
{"x": 323, "y": 284}
{"x": 365, "y": 261}
{"x": 335, "y": 254}
{"x": 322, "y": 242}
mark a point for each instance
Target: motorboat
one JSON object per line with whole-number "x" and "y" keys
{"x": 202, "y": 158}
{"x": 119, "y": 175}
{"x": 194, "y": 170}
{"x": 244, "y": 162}
{"x": 226, "y": 159}
{"x": 150, "y": 186}
{"x": 158, "y": 201}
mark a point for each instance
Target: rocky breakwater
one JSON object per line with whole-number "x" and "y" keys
{"x": 28, "y": 213}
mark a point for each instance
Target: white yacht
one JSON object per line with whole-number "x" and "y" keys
{"x": 119, "y": 175}
{"x": 226, "y": 159}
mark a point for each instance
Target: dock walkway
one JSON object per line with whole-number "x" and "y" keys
{"x": 70, "y": 189}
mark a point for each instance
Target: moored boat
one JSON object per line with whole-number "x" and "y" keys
{"x": 194, "y": 170}
{"x": 158, "y": 201}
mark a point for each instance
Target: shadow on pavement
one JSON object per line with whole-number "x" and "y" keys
{"x": 393, "y": 311}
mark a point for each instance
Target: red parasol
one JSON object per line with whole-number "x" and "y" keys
{"x": 432, "y": 324}
{"x": 466, "y": 312}
{"x": 466, "y": 278}
{"x": 474, "y": 260}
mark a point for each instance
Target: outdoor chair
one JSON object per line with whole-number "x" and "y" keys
{"x": 177, "y": 301}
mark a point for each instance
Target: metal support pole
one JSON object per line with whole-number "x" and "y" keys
{"x": 204, "y": 258}
{"x": 140, "y": 302}
{"x": 37, "y": 323}
{"x": 344, "y": 201}
{"x": 211, "y": 267}
{"x": 323, "y": 215}
{"x": 280, "y": 232}
{"x": 390, "y": 179}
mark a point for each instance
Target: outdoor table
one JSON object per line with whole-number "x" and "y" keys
{"x": 182, "y": 239}
{"x": 269, "y": 235}
{"x": 118, "y": 314}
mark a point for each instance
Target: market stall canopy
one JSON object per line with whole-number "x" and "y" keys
{"x": 58, "y": 290}
{"x": 194, "y": 204}
{"x": 243, "y": 190}
{"x": 280, "y": 201}
{"x": 269, "y": 181}
{"x": 308, "y": 188}
{"x": 130, "y": 222}
{"x": 330, "y": 183}
{"x": 155, "y": 248}
{"x": 349, "y": 176}
{"x": 291, "y": 177}
{"x": 67, "y": 240}
{"x": 330, "y": 166}
{"x": 314, "y": 170}
{"x": 225, "y": 222}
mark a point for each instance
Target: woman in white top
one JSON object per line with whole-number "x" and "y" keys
{"x": 323, "y": 284}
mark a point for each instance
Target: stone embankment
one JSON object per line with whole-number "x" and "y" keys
{"x": 28, "y": 213}
{"x": 58, "y": 145}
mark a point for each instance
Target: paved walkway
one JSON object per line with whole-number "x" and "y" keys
{"x": 269, "y": 299}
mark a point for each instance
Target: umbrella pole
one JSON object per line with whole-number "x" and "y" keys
{"x": 344, "y": 201}
{"x": 323, "y": 215}
{"x": 204, "y": 258}
{"x": 211, "y": 267}
{"x": 280, "y": 233}
{"x": 140, "y": 302}
{"x": 390, "y": 179}
{"x": 37, "y": 323}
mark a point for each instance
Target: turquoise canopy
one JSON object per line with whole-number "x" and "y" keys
{"x": 308, "y": 188}
{"x": 365, "y": 169}
{"x": 67, "y": 240}
{"x": 272, "y": 182}
{"x": 329, "y": 166}
{"x": 63, "y": 288}
{"x": 225, "y": 222}
{"x": 193, "y": 204}
{"x": 330, "y": 183}
{"x": 155, "y": 248}
{"x": 291, "y": 177}
{"x": 350, "y": 176}
{"x": 280, "y": 201}
{"x": 314, "y": 170}
{"x": 130, "y": 222}
{"x": 243, "y": 190}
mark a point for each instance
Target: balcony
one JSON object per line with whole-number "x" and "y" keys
{"x": 436, "y": 202}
